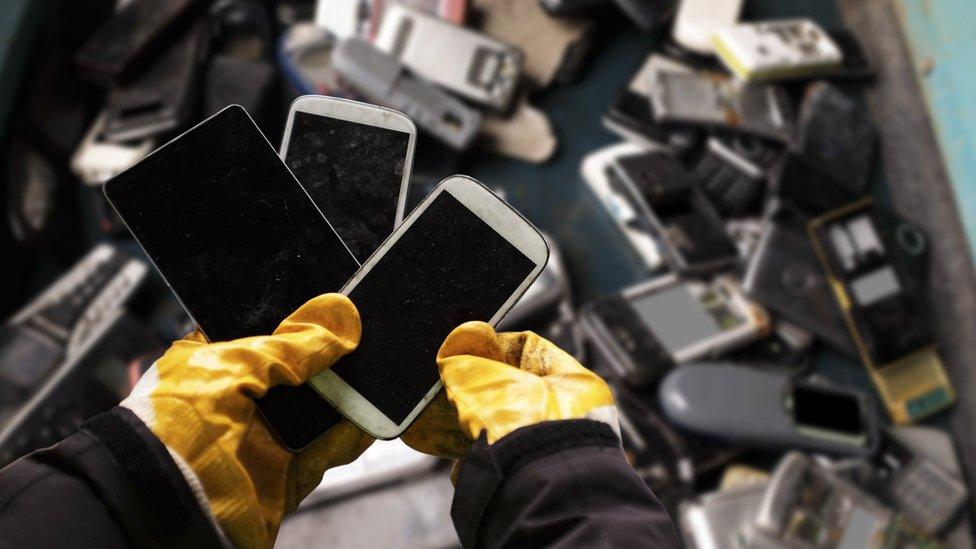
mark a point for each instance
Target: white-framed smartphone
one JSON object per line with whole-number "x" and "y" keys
{"x": 354, "y": 160}
{"x": 463, "y": 254}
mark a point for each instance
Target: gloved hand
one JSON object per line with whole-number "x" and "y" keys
{"x": 500, "y": 382}
{"x": 198, "y": 399}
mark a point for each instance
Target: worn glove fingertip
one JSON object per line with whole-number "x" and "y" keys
{"x": 335, "y": 312}
{"x": 471, "y": 338}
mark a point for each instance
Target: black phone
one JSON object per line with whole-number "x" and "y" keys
{"x": 237, "y": 239}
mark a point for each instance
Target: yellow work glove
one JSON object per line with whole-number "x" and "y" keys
{"x": 199, "y": 400}
{"x": 501, "y": 382}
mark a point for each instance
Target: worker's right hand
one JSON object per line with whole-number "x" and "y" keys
{"x": 501, "y": 382}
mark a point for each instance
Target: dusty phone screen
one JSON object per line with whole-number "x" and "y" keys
{"x": 353, "y": 172}
{"x": 233, "y": 233}
{"x": 448, "y": 268}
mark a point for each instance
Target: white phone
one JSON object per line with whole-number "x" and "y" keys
{"x": 354, "y": 160}
{"x": 463, "y": 254}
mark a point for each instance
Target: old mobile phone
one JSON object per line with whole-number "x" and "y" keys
{"x": 60, "y": 325}
{"x": 805, "y": 505}
{"x": 711, "y": 100}
{"x": 647, "y": 328}
{"x": 630, "y": 115}
{"x": 683, "y": 218}
{"x": 769, "y": 409}
{"x": 97, "y": 160}
{"x": 785, "y": 276}
{"x": 382, "y": 78}
{"x": 874, "y": 293}
{"x": 479, "y": 68}
{"x": 236, "y": 238}
{"x": 161, "y": 98}
{"x": 129, "y": 36}
{"x": 732, "y": 172}
{"x": 910, "y": 474}
{"x": 723, "y": 518}
{"x": 354, "y": 160}
{"x": 463, "y": 254}
{"x": 621, "y": 204}
{"x": 697, "y": 21}
{"x": 837, "y": 137}
{"x": 777, "y": 50}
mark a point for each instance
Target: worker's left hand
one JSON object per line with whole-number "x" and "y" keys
{"x": 199, "y": 400}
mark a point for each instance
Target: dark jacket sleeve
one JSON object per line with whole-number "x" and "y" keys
{"x": 557, "y": 484}
{"x": 113, "y": 484}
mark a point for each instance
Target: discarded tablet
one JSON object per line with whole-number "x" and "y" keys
{"x": 463, "y": 254}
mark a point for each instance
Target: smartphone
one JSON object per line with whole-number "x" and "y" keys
{"x": 886, "y": 323}
{"x": 644, "y": 330}
{"x": 463, "y": 254}
{"x": 471, "y": 64}
{"x": 229, "y": 228}
{"x": 354, "y": 161}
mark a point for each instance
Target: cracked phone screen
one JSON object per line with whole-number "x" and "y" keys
{"x": 353, "y": 172}
{"x": 448, "y": 268}
{"x": 231, "y": 230}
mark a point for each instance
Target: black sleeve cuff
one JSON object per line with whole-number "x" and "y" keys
{"x": 137, "y": 479}
{"x": 487, "y": 466}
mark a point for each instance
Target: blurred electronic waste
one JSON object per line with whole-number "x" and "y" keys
{"x": 741, "y": 181}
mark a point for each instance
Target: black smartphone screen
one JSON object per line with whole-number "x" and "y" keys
{"x": 230, "y": 229}
{"x": 448, "y": 268}
{"x": 828, "y": 410}
{"x": 353, "y": 172}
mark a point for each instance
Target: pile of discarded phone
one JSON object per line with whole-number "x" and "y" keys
{"x": 742, "y": 184}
